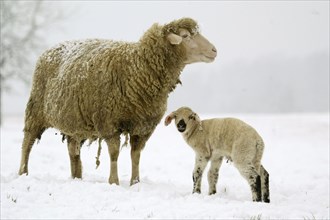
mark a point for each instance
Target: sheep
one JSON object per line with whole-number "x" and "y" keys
{"x": 99, "y": 89}
{"x": 214, "y": 139}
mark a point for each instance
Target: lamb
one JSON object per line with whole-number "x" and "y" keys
{"x": 214, "y": 139}
{"x": 99, "y": 89}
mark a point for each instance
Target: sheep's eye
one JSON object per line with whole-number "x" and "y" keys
{"x": 191, "y": 117}
{"x": 185, "y": 35}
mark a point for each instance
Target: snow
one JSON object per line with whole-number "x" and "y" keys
{"x": 296, "y": 156}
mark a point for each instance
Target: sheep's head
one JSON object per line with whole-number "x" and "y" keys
{"x": 185, "y": 119}
{"x": 185, "y": 32}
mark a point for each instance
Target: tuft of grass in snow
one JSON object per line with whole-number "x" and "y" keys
{"x": 257, "y": 217}
{"x": 150, "y": 215}
{"x": 313, "y": 218}
{"x": 115, "y": 209}
{"x": 12, "y": 198}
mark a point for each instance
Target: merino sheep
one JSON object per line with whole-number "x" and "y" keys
{"x": 214, "y": 139}
{"x": 100, "y": 89}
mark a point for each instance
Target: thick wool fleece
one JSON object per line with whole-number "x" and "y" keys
{"x": 97, "y": 88}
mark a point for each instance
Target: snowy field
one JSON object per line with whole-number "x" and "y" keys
{"x": 296, "y": 156}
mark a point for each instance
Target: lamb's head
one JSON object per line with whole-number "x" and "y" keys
{"x": 185, "y": 33}
{"x": 185, "y": 119}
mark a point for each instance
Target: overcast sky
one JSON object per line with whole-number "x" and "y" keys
{"x": 262, "y": 46}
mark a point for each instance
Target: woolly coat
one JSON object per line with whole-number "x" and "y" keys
{"x": 99, "y": 88}
{"x": 229, "y": 137}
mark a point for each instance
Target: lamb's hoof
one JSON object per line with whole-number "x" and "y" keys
{"x": 212, "y": 192}
{"x": 267, "y": 200}
{"x": 197, "y": 191}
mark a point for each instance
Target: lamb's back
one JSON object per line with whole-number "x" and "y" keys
{"x": 226, "y": 131}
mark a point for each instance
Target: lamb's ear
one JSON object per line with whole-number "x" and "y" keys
{"x": 200, "y": 126}
{"x": 169, "y": 118}
{"x": 174, "y": 39}
{"x": 199, "y": 121}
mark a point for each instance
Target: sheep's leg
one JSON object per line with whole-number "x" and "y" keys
{"x": 33, "y": 129}
{"x": 200, "y": 164}
{"x": 250, "y": 173}
{"x": 213, "y": 175}
{"x": 264, "y": 184}
{"x": 137, "y": 144}
{"x": 28, "y": 141}
{"x": 74, "y": 153}
{"x": 113, "y": 148}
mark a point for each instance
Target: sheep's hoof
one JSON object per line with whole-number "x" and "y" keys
{"x": 22, "y": 171}
{"x": 135, "y": 181}
{"x": 113, "y": 181}
{"x": 76, "y": 177}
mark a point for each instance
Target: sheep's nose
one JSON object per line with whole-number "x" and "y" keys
{"x": 214, "y": 52}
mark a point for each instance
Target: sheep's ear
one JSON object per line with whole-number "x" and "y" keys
{"x": 174, "y": 39}
{"x": 169, "y": 119}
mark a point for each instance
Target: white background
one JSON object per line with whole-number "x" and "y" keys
{"x": 273, "y": 56}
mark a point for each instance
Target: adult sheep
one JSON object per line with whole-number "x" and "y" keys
{"x": 101, "y": 89}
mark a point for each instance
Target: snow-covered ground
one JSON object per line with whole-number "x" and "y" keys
{"x": 296, "y": 156}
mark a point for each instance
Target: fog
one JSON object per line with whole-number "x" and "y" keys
{"x": 273, "y": 57}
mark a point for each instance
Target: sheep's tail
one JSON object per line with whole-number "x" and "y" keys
{"x": 100, "y": 148}
{"x": 126, "y": 141}
{"x": 98, "y": 154}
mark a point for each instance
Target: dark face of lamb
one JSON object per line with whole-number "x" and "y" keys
{"x": 184, "y": 119}
{"x": 181, "y": 126}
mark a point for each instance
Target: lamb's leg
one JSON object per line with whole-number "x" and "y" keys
{"x": 200, "y": 164}
{"x": 74, "y": 153}
{"x": 113, "y": 148}
{"x": 249, "y": 172}
{"x": 137, "y": 144}
{"x": 28, "y": 141}
{"x": 264, "y": 184}
{"x": 213, "y": 174}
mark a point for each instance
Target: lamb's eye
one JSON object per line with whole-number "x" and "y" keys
{"x": 191, "y": 117}
{"x": 185, "y": 35}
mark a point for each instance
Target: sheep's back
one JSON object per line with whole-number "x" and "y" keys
{"x": 94, "y": 84}
{"x": 76, "y": 81}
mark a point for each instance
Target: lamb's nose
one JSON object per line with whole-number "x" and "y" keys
{"x": 214, "y": 49}
{"x": 181, "y": 126}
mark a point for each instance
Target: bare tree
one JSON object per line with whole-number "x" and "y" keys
{"x": 23, "y": 27}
